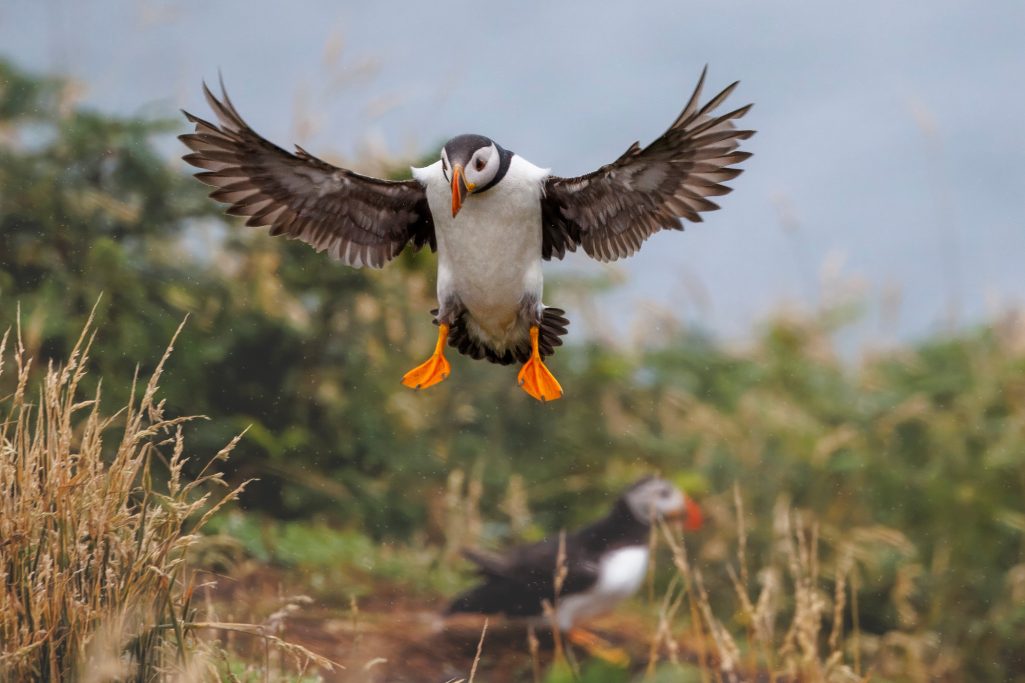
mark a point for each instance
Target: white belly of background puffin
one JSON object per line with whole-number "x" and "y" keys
{"x": 620, "y": 575}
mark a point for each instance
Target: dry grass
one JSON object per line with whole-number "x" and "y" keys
{"x": 97, "y": 520}
{"x": 780, "y": 632}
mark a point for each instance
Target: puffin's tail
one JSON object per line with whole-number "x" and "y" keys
{"x": 553, "y": 327}
{"x": 487, "y": 598}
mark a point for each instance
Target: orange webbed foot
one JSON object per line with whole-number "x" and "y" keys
{"x": 427, "y": 374}
{"x": 434, "y": 369}
{"x": 598, "y": 647}
{"x": 535, "y": 378}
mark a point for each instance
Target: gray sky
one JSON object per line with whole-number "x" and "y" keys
{"x": 888, "y": 158}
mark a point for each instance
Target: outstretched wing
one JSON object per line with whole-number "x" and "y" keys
{"x": 611, "y": 211}
{"x": 356, "y": 219}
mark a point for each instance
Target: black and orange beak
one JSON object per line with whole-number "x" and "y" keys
{"x": 459, "y": 188}
{"x": 689, "y": 516}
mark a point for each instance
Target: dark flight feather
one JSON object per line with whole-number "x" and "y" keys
{"x": 356, "y": 219}
{"x": 613, "y": 210}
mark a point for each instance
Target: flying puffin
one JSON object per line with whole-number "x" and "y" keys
{"x": 605, "y": 562}
{"x": 491, "y": 215}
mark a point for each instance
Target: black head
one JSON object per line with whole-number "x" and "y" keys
{"x": 472, "y": 164}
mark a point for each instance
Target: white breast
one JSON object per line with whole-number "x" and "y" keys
{"x": 620, "y": 575}
{"x": 489, "y": 256}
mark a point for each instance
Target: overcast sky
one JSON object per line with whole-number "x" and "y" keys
{"x": 889, "y": 153}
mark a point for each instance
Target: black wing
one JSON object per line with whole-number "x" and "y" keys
{"x": 611, "y": 211}
{"x": 516, "y": 582}
{"x": 356, "y": 219}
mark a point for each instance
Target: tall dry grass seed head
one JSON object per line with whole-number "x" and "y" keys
{"x": 93, "y": 550}
{"x": 793, "y": 629}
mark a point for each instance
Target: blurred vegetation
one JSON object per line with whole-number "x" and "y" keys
{"x": 912, "y": 461}
{"x": 94, "y": 556}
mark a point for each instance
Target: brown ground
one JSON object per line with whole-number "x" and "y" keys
{"x": 391, "y": 639}
{"x": 421, "y": 646}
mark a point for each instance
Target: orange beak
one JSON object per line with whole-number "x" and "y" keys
{"x": 459, "y": 189}
{"x": 692, "y": 517}
{"x": 689, "y": 516}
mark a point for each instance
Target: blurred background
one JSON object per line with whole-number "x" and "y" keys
{"x": 886, "y": 159}
{"x": 844, "y": 338}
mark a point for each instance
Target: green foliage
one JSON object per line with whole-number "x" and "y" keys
{"x": 337, "y": 564}
{"x": 598, "y": 671}
{"x": 915, "y": 459}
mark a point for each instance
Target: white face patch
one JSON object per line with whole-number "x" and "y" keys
{"x": 654, "y": 497}
{"x": 445, "y": 170}
{"x": 483, "y": 166}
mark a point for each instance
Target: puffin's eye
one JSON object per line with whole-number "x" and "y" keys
{"x": 480, "y": 164}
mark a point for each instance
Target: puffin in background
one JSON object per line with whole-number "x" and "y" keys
{"x": 491, "y": 215}
{"x": 605, "y": 563}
